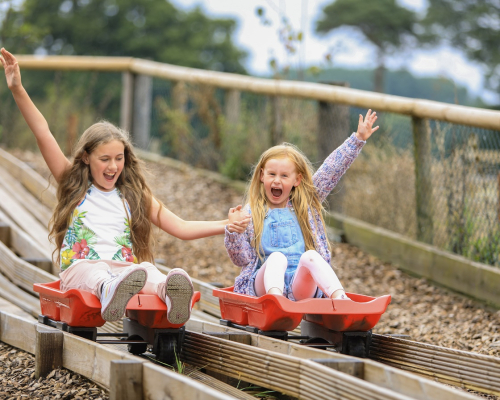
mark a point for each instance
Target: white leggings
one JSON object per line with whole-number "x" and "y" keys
{"x": 89, "y": 275}
{"x": 312, "y": 272}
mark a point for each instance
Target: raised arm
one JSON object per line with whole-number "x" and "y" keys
{"x": 51, "y": 152}
{"x": 337, "y": 163}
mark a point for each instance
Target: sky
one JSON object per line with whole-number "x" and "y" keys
{"x": 347, "y": 47}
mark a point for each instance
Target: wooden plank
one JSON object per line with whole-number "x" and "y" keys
{"x": 48, "y": 350}
{"x": 482, "y": 118}
{"x": 22, "y": 243}
{"x": 10, "y": 205}
{"x": 125, "y": 380}
{"x": 42, "y": 263}
{"x": 18, "y": 331}
{"x": 28, "y": 201}
{"x": 10, "y": 292}
{"x": 5, "y": 233}
{"x": 161, "y": 383}
{"x": 10, "y": 308}
{"x": 354, "y": 366}
{"x": 378, "y": 374}
{"x": 31, "y": 180}
{"x": 20, "y": 272}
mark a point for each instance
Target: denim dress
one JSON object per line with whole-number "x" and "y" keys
{"x": 281, "y": 232}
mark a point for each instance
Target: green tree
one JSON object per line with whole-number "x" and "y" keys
{"x": 383, "y": 23}
{"x": 470, "y": 26}
{"x": 151, "y": 29}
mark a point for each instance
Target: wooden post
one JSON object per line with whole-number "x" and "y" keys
{"x": 423, "y": 181}
{"x": 125, "y": 381}
{"x": 5, "y": 233}
{"x": 143, "y": 99}
{"x": 179, "y": 97}
{"x": 127, "y": 101}
{"x": 48, "y": 350}
{"x": 72, "y": 133}
{"x": 276, "y": 121}
{"x": 333, "y": 125}
{"x": 232, "y": 107}
{"x": 333, "y": 130}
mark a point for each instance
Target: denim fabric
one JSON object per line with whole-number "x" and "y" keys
{"x": 282, "y": 233}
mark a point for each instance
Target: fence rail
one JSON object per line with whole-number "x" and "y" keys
{"x": 431, "y": 173}
{"x": 456, "y": 114}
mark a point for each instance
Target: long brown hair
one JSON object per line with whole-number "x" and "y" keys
{"x": 75, "y": 182}
{"x": 303, "y": 197}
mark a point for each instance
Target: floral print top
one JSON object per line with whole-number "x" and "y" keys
{"x": 99, "y": 229}
{"x": 238, "y": 245}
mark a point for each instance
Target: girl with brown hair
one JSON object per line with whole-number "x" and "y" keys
{"x": 102, "y": 224}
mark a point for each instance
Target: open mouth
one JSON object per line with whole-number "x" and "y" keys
{"x": 276, "y": 192}
{"x": 109, "y": 177}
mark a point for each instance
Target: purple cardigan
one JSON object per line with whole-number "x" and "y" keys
{"x": 238, "y": 245}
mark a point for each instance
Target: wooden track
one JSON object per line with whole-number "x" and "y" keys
{"x": 454, "y": 367}
{"x": 274, "y": 364}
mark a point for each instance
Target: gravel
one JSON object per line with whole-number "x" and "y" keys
{"x": 425, "y": 312}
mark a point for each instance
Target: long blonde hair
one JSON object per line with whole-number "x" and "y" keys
{"x": 75, "y": 182}
{"x": 303, "y": 197}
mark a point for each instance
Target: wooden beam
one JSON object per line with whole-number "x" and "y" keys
{"x": 125, "y": 380}
{"x": 33, "y": 181}
{"x": 42, "y": 263}
{"x": 482, "y": 118}
{"x": 5, "y": 233}
{"x": 48, "y": 350}
{"x": 21, "y": 243}
{"x": 10, "y": 292}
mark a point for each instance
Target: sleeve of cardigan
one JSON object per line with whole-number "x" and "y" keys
{"x": 335, "y": 165}
{"x": 239, "y": 249}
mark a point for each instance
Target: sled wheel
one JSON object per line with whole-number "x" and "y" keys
{"x": 136, "y": 348}
{"x": 167, "y": 349}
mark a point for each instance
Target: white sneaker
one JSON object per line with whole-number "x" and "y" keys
{"x": 117, "y": 291}
{"x": 178, "y": 294}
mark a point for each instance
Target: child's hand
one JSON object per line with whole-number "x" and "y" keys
{"x": 238, "y": 220}
{"x": 365, "y": 127}
{"x": 12, "y": 71}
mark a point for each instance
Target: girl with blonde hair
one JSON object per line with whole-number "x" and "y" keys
{"x": 102, "y": 223}
{"x": 284, "y": 250}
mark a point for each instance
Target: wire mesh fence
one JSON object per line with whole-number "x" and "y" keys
{"x": 449, "y": 198}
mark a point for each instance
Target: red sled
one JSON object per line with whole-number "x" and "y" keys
{"x": 83, "y": 309}
{"x": 277, "y": 313}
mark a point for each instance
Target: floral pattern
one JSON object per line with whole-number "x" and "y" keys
{"x": 80, "y": 241}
